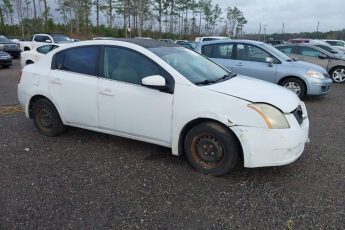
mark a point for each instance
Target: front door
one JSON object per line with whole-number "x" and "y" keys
{"x": 127, "y": 107}
{"x": 250, "y": 61}
{"x": 311, "y": 55}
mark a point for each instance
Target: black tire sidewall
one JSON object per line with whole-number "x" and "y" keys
{"x": 228, "y": 140}
{"x": 58, "y": 128}
{"x": 299, "y": 82}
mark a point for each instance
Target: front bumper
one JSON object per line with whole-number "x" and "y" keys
{"x": 6, "y": 62}
{"x": 272, "y": 147}
{"x": 14, "y": 53}
{"x": 318, "y": 86}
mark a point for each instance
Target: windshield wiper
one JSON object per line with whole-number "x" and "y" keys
{"x": 204, "y": 82}
{"x": 226, "y": 77}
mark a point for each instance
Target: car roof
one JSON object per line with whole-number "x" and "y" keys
{"x": 233, "y": 41}
{"x": 311, "y": 45}
{"x": 145, "y": 43}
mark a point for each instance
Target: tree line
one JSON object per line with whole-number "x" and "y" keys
{"x": 181, "y": 19}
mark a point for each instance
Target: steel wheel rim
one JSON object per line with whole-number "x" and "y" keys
{"x": 45, "y": 118}
{"x": 339, "y": 75}
{"x": 294, "y": 87}
{"x": 207, "y": 151}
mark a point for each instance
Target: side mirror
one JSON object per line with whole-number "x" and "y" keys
{"x": 323, "y": 56}
{"x": 269, "y": 60}
{"x": 154, "y": 82}
{"x": 48, "y": 41}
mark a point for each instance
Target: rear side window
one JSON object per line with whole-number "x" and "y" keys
{"x": 82, "y": 60}
{"x": 223, "y": 51}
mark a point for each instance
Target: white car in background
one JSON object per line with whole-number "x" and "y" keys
{"x": 165, "y": 94}
{"x": 32, "y": 56}
{"x": 340, "y": 44}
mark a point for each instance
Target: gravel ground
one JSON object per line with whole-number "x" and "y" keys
{"x": 89, "y": 180}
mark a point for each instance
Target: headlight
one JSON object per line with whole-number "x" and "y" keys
{"x": 273, "y": 117}
{"x": 315, "y": 74}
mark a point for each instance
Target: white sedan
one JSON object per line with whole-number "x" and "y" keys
{"x": 32, "y": 56}
{"x": 165, "y": 94}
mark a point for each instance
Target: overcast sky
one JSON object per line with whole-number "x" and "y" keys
{"x": 298, "y": 15}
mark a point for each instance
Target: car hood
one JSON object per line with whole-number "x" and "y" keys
{"x": 307, "y": 66}
{"x": 254, "y": 90}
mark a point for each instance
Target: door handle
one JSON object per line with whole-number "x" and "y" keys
{"x": 56, "y": 81}
{"x": 107, "y": 92}
{"x": 239, "y": 64}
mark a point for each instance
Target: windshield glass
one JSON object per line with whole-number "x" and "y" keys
{"x": 191, "y": 65}
{"x": 58, "y": 38}
{"x": 3, "y": 39}
{"x": 275, "y": 52}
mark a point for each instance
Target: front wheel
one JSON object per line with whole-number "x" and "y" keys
{"x": 211, "y": 149}
{"x": 338, "y": 75}
{"x": 47, "y": 119}
{"x": 295, "y": 85}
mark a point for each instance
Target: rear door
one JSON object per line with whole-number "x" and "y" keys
{"x": 251, "y": 61}
{"x": 73, "y": 84}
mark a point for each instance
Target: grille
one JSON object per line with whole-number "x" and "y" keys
{"x": 298, "y": 113}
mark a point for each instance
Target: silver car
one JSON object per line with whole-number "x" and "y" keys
{"x": 262, "y": 61}
{"x": 334, "y": 64}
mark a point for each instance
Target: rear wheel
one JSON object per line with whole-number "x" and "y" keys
{"x": 47, "y": 119}
{"x": 338, "y": 75}
{"x": 211, "y": 149}
{"x": 295, "y": 85}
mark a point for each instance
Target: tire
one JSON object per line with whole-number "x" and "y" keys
{"x": 220, "y": 145}
{"x": 295, "y": 85}
{"x": 6, "y": 66}
{"x": 338, "y": 75}
{"x": 47, "y": 119}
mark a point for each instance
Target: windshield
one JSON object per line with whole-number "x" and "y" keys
{"x": 193, "y": 66}
{"x": 61, "y": 38}
{"x": 275, "y": 52}
{"x": 3, "y": 39}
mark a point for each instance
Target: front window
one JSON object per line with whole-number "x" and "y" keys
{"x": 327, "y": 48}
{"x": 193, "y": 66}
{"x": 45, "y": 49}
{"x": 248, "y": 52}
{"x": 129, "y": 66}
{"x": 285, "y": 49}
{"x": 58, "y": 38}
{"x": 307, "y": 51}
